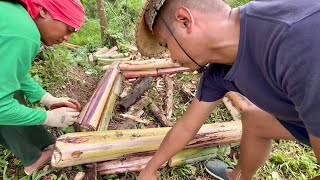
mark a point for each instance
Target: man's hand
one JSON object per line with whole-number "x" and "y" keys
{"x": 61, "y": 117}
{"x": 52, "y": 102}
{"x": 147, "y": 175}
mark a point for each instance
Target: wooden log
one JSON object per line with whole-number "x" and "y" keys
{"x": 169, "y": 96}
{"x": 135, "y": 94}
{"x": 158, "y": 113}
{"x": 129, "y": 164}
{"x": 135, "y": 118}
{"x": 138, "y": 106}
{"x": 186, "y": 91}
{"x": 154, "y": 73}
{"x": 192, "y": 156}
{"x": 238, "y": 101}
{"x": 85, "y": 147}
{"x": 234, "y": 112}
{"x": 109, "y": 107}
{"x": 92, "y": 116}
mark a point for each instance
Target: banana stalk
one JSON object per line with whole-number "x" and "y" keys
{"x": 86, "y": 147}
{"x": 108, "y": 110}
{"x": 129, "y": 164}
{"x": 192, "y": 156}
{"x": 92, "y": 116}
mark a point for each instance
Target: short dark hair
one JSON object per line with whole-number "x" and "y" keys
{"x": 167, "y": 11}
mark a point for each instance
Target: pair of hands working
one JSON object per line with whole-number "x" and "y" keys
{"x": 63, "y": 112}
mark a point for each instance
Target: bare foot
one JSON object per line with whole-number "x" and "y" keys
{"x": 45, "y": 157}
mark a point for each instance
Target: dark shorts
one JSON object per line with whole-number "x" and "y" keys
{"x": 300, "y": 133}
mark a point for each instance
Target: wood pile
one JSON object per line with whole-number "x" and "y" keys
{"x": 119, "y": 151}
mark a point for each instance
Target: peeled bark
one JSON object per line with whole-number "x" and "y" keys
{"x": 86, "y": 147}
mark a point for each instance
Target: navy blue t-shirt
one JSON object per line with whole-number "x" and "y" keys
{"x": 278, "y": 62}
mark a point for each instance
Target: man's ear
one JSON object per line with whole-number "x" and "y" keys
{"x": 43, "y": 12}
{"x": 184, "y": 16}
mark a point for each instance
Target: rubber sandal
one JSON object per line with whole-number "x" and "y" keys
{"x": 217, "y": 168}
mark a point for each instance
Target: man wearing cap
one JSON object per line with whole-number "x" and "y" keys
{"x": 23, "y": 24}
{"x": 266, "y": 50}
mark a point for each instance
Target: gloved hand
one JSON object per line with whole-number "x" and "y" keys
{"x": 61, "y": 117}
{"x": 52, "y": 102}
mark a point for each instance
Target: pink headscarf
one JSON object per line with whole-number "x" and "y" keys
{"x": 70, "y": 12}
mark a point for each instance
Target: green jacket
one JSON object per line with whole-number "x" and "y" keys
{"x": 19, "y": 44}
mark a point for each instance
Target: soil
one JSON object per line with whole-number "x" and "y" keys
{"x": 79, "y": 85}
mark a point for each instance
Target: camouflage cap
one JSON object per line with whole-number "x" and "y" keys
{"x": 145, "y": 39}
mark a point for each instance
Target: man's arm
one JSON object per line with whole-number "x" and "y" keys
{"x": 179, "y": 136}
{"x": 315, "y": 142}
{"x": 31, "y": 89}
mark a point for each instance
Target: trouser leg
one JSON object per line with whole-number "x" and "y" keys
{"x": 26, "y": 142}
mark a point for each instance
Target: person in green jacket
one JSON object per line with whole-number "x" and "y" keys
{"x": 23, "y": 25}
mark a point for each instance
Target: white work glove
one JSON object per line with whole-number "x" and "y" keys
{"x": 52, "y": 102}
{"x": 61, "y": 117}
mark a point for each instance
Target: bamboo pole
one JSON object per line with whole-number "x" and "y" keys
{"x": 131, "y": 164}
{"x": 191, "y": 156}
{"x": 85, "y": 147}
{"x": 92, "y": 116}
{"x": 153, "y": 73}
{"x": 108, "y": 109}
{"x": 232, "y": 110}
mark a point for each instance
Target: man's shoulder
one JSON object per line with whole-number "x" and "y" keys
{"x": 15, "y": 21}
{"x": 289, "y": 12}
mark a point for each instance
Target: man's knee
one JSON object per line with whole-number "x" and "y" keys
{"x": 254, "y": 120}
